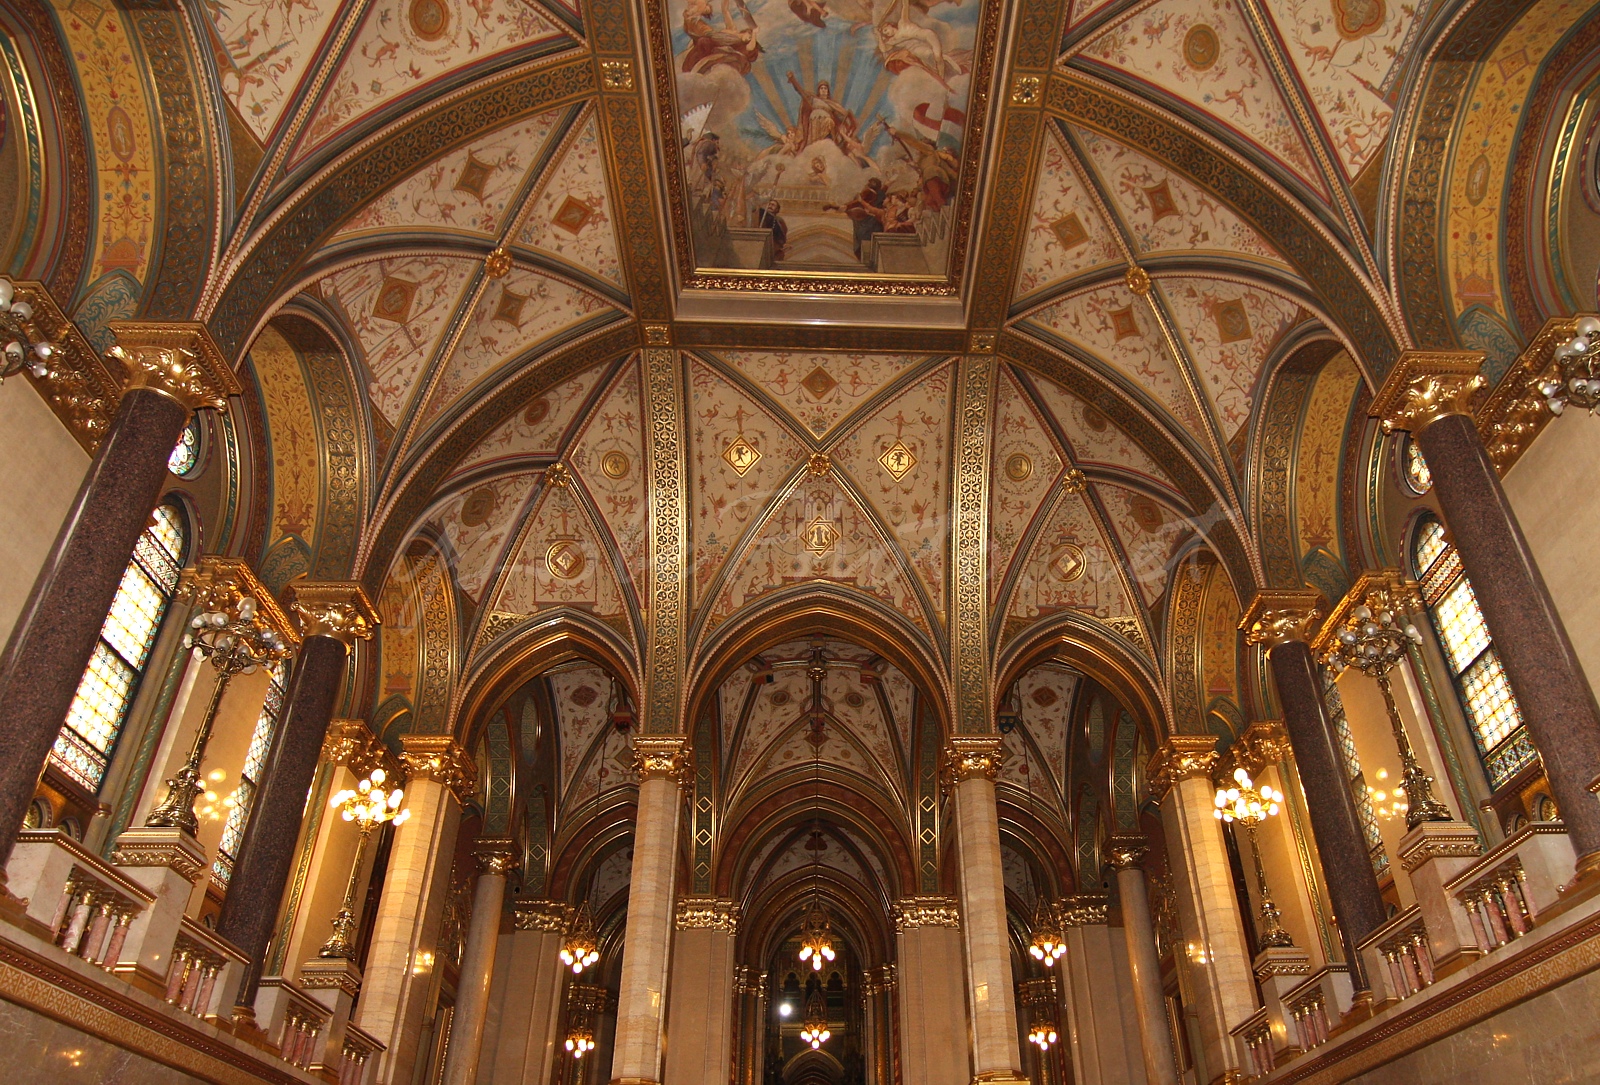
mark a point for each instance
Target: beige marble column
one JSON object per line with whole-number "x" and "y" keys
{"x": 519, "y": 1042}
{"x": 647, "y": 945}
{"x": 1216, "y": 954}
{"x": 972, "y": 762}
{"x": 700, "y": 994}
{"x": 496, "y": 859}
{"x": 400, "y": 960}
{"x": 1126, "y": 855}
{"x": 877, "y": 989}
{"x": 1098, "y": 996}
{"x": 933, "y": 1002}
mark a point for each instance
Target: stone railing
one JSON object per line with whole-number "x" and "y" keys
{"x": 203, "y": 972}
{"x": 1315, "y": 1007}
{"x": 1255, "y": 1033}
{"x": 84, "y": 905}
{"x": 359, "y": 1048}
{"x": 292, "y": 1019}
{"x": 1398, "y": 958}
{"x": 1503, "y": 892}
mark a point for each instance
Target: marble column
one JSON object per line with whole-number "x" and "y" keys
{"x": 647, "y": 940}
{"x": 1284, "y": 622}
{"x": 1208, "y": 907}
{"x": 973, "y": 761}
{"x": 172, "y": 370}
{"x": 1430, "y": 394}
{"x": 933, "y": 1002}
{"x": 700, "y": 997}
{"x": 399, "y": 973}
{"x": 520, "y": 1043}
{"x": 496, "y": 859}
{"x": 1096, "y": 993}
{"x": 1126, "y": 853}
{"x": 749, "y": 989}
{"x": 332, "y": 616}
{"x": 877, "y": 989}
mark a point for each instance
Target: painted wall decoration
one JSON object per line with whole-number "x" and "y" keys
{"x": 1322, "y": 434}
{"x": 822, "y": 136}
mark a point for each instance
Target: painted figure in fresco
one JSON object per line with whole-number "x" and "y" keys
{"x": 936, "y": 167}
{"x": 711, "y": 46}
{"x": 704, "y": 152}
{"x": 903, "y": 42}
{"x": 823, "y": 117}
{"x": 768, "y": 219}
{"x": 865, "y": 211}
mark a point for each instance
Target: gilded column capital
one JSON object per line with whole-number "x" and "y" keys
{"x": 967, "y": 756}
{"x": 1278, "y": 617}
{"x": 220, "y": 584}
{"x": 1379, "y": 590}
{"x": 334, "y": 608}
{"x": 549, "y": 916}
{"x": 1082, "y": 910}
{"x": 914, "y": 912}
{"x": 497, "y": 855}
{"x": 1125, "y": 852}
{"x": 177, "y": 358}
{"x": 708, "y": 914}
{"x": 662, "y": 755}
{"x": 1180, "y": 758}
{"x": 1518, "y": 410}
{"x": 1263, "y": 743}
{"x": 1426, "y": 385}
{"x": 76, "y": 383}
{"x": 441, "y": 758}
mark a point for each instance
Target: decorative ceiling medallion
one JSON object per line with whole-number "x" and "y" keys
{"x": 1066, "y": 562}
{"x": 854, "y": 699}
{"x": 1159, "y": 197}
{"x": 1123, "y": 323}
{"x": 1147, "y": 514}
{"x": 1069, "y": 230}
{"x": 819, "y": 464}
{"x": 1357, "y": 18}
{"x": 1074, "y": 481}
{"x": 1138, "y": 280}
{"x": 821, "y": 536}
{"x": 1201, "y": 47}
{"x": 497, "y": 264}
{"x": 1233, "y": 323}
{"x": 778, "y": 697}
{"x": 819, "y": 383}
{"x": 510, "y": 307}
{"x": 564, "y": 559}
{"x": 615, "y": 464}
{"x": 741, "y": 455}
{"x": 430, "y": 19}
{"x": 1044, "y": 697}
{"x": 474, "y": 176}
{"x": 557, "y": 475}
{"x": 537, "y": 411}
{"x": 394, "y": 300}
{"x": 1019, "y": 467}
{"x": 479, "y": 506}
{"x": 897, "y": 460}
{"x": 573, "y": 215}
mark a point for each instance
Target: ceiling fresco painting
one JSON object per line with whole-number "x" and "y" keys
{"x": 822, "y": 138}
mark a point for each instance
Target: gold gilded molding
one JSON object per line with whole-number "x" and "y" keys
{"x": 1027, "y": 89}
{"x": 498, "y": 263}
{"x": 708, "y": 913}
{"x": 333, "y": 608}
{"x": 1082, "y": 910}
{"x": 616, "y": 75}
{"x": 981, "y": 342}
{"x": 220, "y": 583}
{"x": 969, "y": 570}
{"x": 1138, "y": 280}
{"x": 1425, "y": 386}
{"x": 1181, "y": 757}
{"x": 550, "y": 916}
{"x": 657, "y": 335}
{"x": 663, "y": 755}
{"x": 176, "y": 358}
{"x": 79, "y": 388}
{"x": 1381, "y": 589}
{"x": 441, "y": 758}
{"x": 1515, "y": 412}
{"x": 1263, "y": 743}
{"x": 497, "y": 855}
{"x": 1124, "y": 852}
{"x": 969, "y": 756}
{"x": 1278, "y": 617}
{"x": 668, "y": 542}
{"x": 351, "y": 742}
{"x": 914, "y": 912}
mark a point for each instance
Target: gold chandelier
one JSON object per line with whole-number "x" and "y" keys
{"x": 1044, "y": 1034}
{"x": 814, "y": 1030}
{"x": 581, "y": 948}
{"x": 580, "y": 1041}
{"x": 1048, "y": 942}
{"x": 816, "y": 937}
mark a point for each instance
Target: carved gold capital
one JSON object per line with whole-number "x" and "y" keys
{"x": 497, "y": 855}
{"x": 1125, "y": 852}
{"x": 1380, "y": 589}
{"x": 79, "y": 388}
{"x": 441, "y": 758}
{"x": 1516, "y": 412}
{"x": 176, "y": 358}
{"x": 967, "y": 756}
{"x": 219, "y": 583}
{"x": 1082, "y": 910}
{"x": 335, "y": 608}
{"x": 1278, "y": 617}
{"x": 662, "y": 755}
{"x": 1180, "y": 758}
{"x": 914, "y": 912}
{"x": 1426, "y": 385}
{"x": 708, "y": 914}
{"x": 550, "y": 916}
{"x": 1263, "y": 743}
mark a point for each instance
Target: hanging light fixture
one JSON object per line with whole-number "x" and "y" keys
{"x": 1048, "y": 942}
{"x": 816, "y": 937}
{"x": 581, "y": 948}
{"x": 814, "y": 1029}
{"x": 1250, "y": 805}
{"x": 580, "y": 1041}
{"x": 23, "y": 349}
{"x": 1042, "y": 1033}
{"x": 1576, "y": 376}
{"x": 369, "y": 806}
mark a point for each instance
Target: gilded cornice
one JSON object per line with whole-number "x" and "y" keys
{"x": 926, "y": 911}
{"x": 1515, "y": 412}
{"x": 78, "y": 387}
{"x": 337, "y": 609}
{"x": 663, "y": 755}
{"x": 1382, "y": 589}
{"x": 708, "y": 913}
{"x": 219, "y": 583}
{"x": 549, "y": 916}
{"x": 440, "y": 758}
{"x": 1082, "y": 910}
{"x": 1427, "y": 385}
{"x": 351, "y": 742}
{"x": 1279, "y": 617}
{"x": 1124, "y": 852}
{"x": 668, "y": 574}
{"x": 497, "y": 855}
{"x": 179, "y": 359}
{"x": 1263, "y": 743}
{"x": 1181, "y": 757}
{"x": 969, "y": 581}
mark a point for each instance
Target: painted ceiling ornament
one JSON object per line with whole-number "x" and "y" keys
{"x": 1019, "y": 467}
{"x": 497, "y": 263}
{"x": 898, "y": 460}
{"x": 1074, "y": 481}
{"x": 557, "y": 475}
{"x": 741, "y": 455}
{"x": 819, "y": 383}
{"x": 1201, "y": 47}
{"x": 1358, "y": 18}
{"x": 615, "y": 464}
{"x": 819, "y": 465}
{"x": 821, "y": 535}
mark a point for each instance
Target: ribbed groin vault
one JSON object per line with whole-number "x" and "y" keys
{"x": 799, "y": 542}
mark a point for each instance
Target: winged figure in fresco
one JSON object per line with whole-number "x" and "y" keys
{"x": 907, "y": 40}
{"x": 728, "y": 44}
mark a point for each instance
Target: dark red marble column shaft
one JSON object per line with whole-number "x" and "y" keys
{"x": 1352, "y": 885}
{"x": 266, "y": 853}
{"x": 55, "y": 635}
{"x": 1529, "y": 635}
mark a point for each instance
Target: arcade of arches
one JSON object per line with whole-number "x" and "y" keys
{"x": 799, "y": 542}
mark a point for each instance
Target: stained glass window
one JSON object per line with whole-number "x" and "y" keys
{"x": 1418, "y": 477}
{"x": 100, "y": 707}
{"x": 255, "y": 762}
{"x": 1480, "y": 680}
{"x": 186, "y": 454}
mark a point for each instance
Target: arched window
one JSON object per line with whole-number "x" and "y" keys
{"x": 94, "y": 722}
{"x": 1480, "y": 680}
{"x": 255, "y": 762}
{"x": 185, "y": 459}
